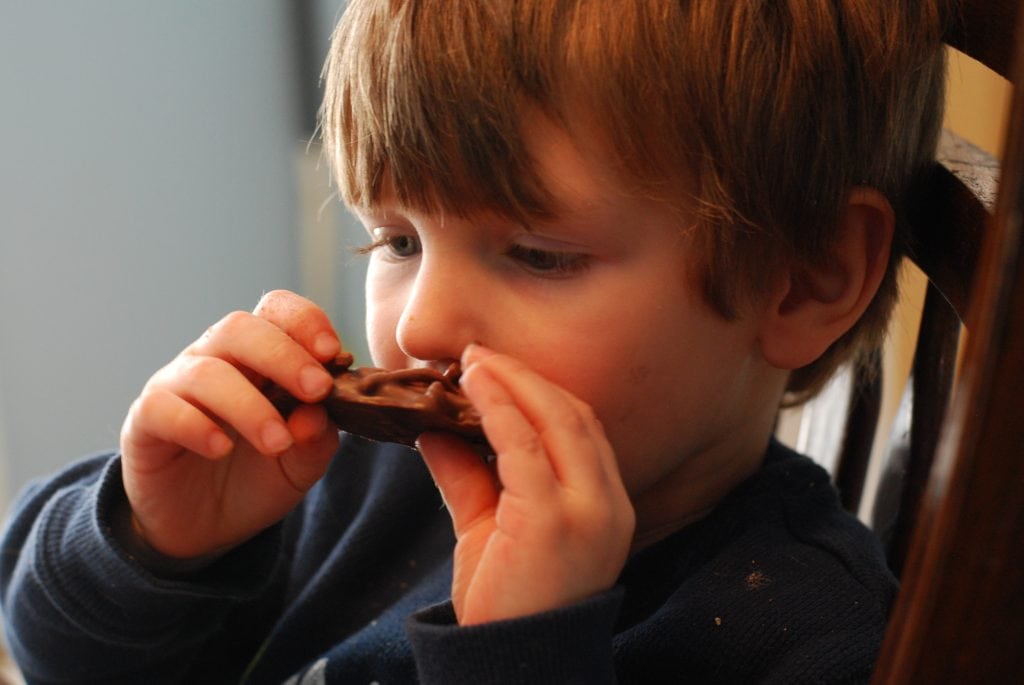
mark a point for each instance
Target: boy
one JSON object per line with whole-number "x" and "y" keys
{"x": 640, "y": 226}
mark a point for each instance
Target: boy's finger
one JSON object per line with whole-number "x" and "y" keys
{"x": 302, "y": 320}
{"x": 216, "y": 386}
{"x": 524, "y": 465}
{"x": 466, "y": 483}
{"x": 570, "y": 432}
{"x": 316, "y": 442}
{"x": 163, "y": 423}
{"x": 308, "y": 422}
{"x": 258, "y": 345}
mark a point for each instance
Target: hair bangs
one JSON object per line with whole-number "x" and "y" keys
{"x": 419, "y": 103}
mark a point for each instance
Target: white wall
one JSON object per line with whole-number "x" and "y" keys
{"x": 147, "y": 152}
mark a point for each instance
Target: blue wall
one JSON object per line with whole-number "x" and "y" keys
{"x": 147, "y": 187}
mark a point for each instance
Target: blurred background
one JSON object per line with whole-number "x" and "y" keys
{"x": 155, "y": 174}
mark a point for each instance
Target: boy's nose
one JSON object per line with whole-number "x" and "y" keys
{"x": 441, "y": 315}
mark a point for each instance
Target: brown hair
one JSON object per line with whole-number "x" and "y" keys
{"x": 759, "y": 116}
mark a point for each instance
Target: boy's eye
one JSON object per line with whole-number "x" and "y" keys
{"x": 546, "y": 262}
{"x": 399, "y": 245}
{"x": 403, "y": 245}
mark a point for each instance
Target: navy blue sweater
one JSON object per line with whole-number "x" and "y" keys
{"x": 776, "y": 585}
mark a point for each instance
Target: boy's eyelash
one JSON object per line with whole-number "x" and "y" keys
{"x": 387, "y": 241}
{"x": 549, "y": 263}
{"x": 369, "y": 247}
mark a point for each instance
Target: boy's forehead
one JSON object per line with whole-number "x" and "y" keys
{"x": 575, "y": 171}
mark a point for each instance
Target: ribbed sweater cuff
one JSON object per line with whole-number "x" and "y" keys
{"x": 79, "y": 561}
{"x": 569, "y": 645}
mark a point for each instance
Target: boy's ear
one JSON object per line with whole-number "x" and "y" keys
{"x": 815, "y": 304}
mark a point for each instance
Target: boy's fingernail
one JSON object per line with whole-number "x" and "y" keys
{"x": 276, "y": 437}
{"x": 314, "y": 381}
{"x": 326, "y": 345}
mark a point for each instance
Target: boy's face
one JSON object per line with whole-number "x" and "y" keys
{"x": 598, "y": 301}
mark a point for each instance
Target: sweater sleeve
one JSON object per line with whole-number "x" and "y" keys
{"x": 78, "y": 608}
{"x": 568, "y": 645}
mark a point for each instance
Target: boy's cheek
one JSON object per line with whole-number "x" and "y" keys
{"x": 381, "y": 330}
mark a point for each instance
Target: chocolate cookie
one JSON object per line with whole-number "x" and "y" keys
{"x": 398, "y": 406}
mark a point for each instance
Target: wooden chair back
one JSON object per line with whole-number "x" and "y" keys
{"x": 960, "y": 614}
{"x": 948, "y": 237}
{"x": 950, "y": 503}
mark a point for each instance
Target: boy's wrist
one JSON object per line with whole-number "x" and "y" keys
{"x": 126, "y": 533}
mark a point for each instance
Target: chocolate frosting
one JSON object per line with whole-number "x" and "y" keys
{"x": 397, "y": 406}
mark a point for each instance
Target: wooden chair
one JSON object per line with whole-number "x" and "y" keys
{"x": 960, "y": 614}
{"x": 950, "y": 504}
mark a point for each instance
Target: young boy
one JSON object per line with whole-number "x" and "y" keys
{"x": 641, "y": 226}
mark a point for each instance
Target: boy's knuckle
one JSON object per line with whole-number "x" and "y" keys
{"x": 276, "y": 294}
{"x": 230, "y": 324}
{"x": 569, "y": 420}
{"x": 527, "y": 441}
{"x": 284, "y": 306}
{"x": 587, "y": 414}
{"x": 270, "y": 300}
{"x": 583, "y": 421}
{"x": 531, "y": 442}
{"x": 197, "y": 368}
{"x": 146, "y": 403}
{"x": 136, "y": 411}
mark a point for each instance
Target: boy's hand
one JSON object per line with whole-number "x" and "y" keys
{"x": 554, "y": 524}
{"x": 208, "y": 462}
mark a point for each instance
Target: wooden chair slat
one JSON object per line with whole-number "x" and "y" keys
{"x": 960, "y": 614}
{"x": 948, "y": 230}
{"x": 865, "y": 407}
{"x": 909, "y": 459}
{"x": 977, "y": 31}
